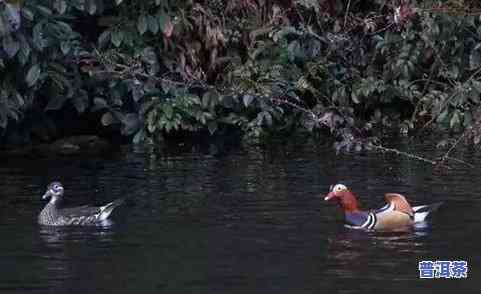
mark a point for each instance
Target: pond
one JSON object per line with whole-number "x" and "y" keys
{"x": 246, "y": 220}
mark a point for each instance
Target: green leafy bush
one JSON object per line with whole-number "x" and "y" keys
{"x": 266, "y": 67}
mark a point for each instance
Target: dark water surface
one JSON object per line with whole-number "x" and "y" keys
{"x": 245, "y": 221}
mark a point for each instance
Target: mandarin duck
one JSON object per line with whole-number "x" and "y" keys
{"x": 396, "y": 214}
{"x": 52, "y": 215}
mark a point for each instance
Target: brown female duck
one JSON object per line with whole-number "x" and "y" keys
{"x": 52, "y": 215}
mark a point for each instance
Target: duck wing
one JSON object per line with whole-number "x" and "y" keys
{"x": 79, "y": 211}
{"x": 81, "y": 215}
{"x": 87, "y": 215}
{"x": 397, "y": 202}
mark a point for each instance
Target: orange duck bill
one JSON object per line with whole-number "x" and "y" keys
{"x": 397, "y": 213}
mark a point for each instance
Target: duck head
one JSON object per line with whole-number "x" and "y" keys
{"x": 54, "y": 192}
{"x": 343, "y": 196}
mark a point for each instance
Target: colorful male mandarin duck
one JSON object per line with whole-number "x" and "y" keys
{"x": 396, "y": 214}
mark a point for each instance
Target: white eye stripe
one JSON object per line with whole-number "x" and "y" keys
{"x": 339, "y": 187}
{"x": 56, "y": 189}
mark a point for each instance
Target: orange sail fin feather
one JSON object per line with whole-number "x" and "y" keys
{"x": 400, "y": 203}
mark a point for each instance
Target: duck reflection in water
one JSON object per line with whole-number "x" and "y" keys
{"x": 354, "y": 253}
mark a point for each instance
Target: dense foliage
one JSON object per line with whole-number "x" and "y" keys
{"x": 152, "y": 67}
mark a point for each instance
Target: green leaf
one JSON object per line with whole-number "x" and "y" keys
{"x": 104, "y": 38}
{"x": 139, "y": 137}
{"x": 475, "y": 57}
{"x": 455, "y": 120}
{"x": 162, "y": 19}
{"x": 108, "y": 119}
{"x": 153, "y": 24}
{"x": 130, "y": 124}
{"x": 65, "y": 47}
{"x": 44, "y": 10}
{"x": 166, "y": 25}
{"x": 168, "y": 110}
{"x": 81, "y": 102}
{"x": 56, "y": 102}
{"x": 13, "y": 113}
{"x": 129, "y": 37}
{"x": 354, "y": 97}
{"x": 91, "y": 6}
{"x": 100, "y": 102}
{"x": 142, "y": 24}
{"x": 27, "y": 13}
{"x": 247, "y": 99}
{"x": 60, "y": 6}
{"x": 10, "y": 46}
{"x": 152, "y": 121}
{"x": 468, "y": 119}
{"x": 206, "y": 100}
{"x": 228, "y": 101}
{"x": 19, "y": 99}
{"x": 63, "y": 29}
{"x": 117, "y": 2}
{"x": 441, "y": 118}
{"x": 3, "y": 118}
{"x": 212, "y": 126}
{"x": 117, "y": 38}
{"x": 146, "y": 106}
{"x": 267, "y": 118}
{"x": 210, "y": 99}
{"x": 294, "y": 51}
{"x": 32, "y": 75}
{"x": 477, "y": 85}
{"x": 149, "y": 56}
{"x": 38, "y": 36}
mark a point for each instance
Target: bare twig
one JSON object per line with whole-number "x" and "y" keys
{"x": 381, "y": 30}
{"x": 294, "y": 105}
{"x": 347, "y": 13}
{"x": 425, "y": 89}
{"x": 460, "y": 161}
{"x": 452, "y": 11}
{"x": 446, "y": 155}
{"x": 442, "y": 162}
{"x": 408, "y": 155}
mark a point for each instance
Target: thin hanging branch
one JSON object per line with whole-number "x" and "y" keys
{"x": 446, "y": 156}
{"x": 405, "y": 154}
{"x": 347, "y": 13}
{"x": 441, "y": 162}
